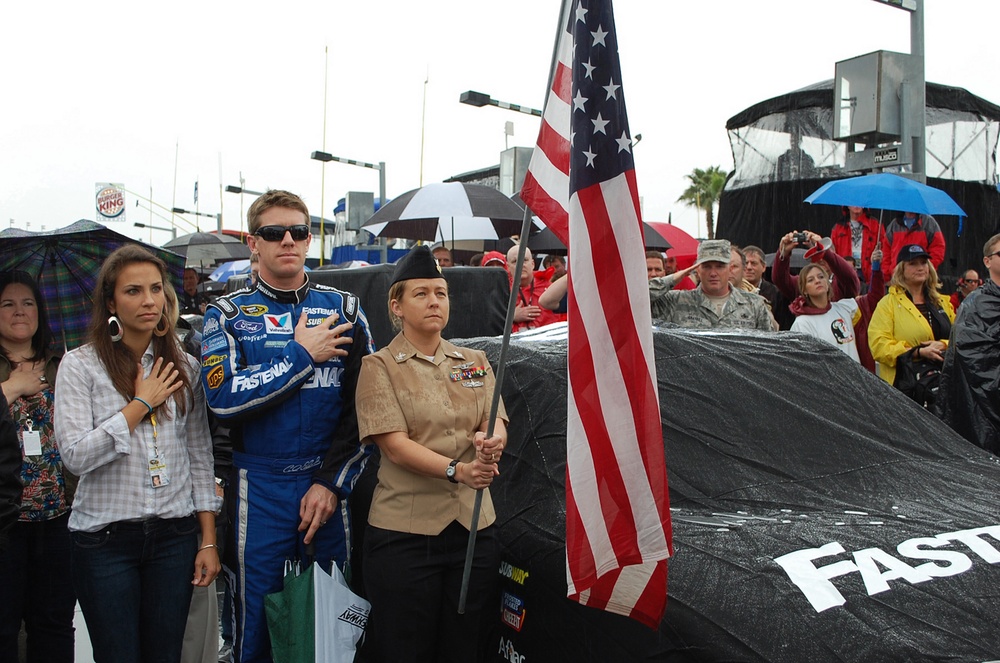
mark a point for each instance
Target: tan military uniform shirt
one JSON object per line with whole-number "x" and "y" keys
{"x": 438, "y": 403}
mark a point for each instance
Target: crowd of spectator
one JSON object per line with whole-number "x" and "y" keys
{"x": 132, "y": 445}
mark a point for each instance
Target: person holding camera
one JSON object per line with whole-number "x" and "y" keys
{"x": 840, "y": 322}
{"x": 842, "y": 280}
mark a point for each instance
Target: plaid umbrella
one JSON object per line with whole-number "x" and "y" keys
{"x": 65, "y": 263}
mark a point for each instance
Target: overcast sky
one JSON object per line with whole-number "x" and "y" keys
{"x": 112, "y": 91}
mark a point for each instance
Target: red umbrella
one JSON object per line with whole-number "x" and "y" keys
{"x": 683, "y": 246}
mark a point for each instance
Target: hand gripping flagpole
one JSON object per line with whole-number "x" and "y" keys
{"x": 515, "y": 287}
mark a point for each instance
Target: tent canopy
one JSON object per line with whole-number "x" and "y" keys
{"x": 962, "y": 131}
{"x": 783, "y": 151}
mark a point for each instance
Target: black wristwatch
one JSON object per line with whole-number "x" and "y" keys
{"x": 452, "y": 469}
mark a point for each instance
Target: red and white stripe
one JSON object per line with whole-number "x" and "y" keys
{"x": 546, "y": 183}
{"x": 618, "y": 533}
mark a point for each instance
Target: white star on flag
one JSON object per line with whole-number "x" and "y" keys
{"x": 624, "y": 143}
{"x": 611, "y": 89}
{"x": 599, "y": 36}
{"x": 599, "y": 125}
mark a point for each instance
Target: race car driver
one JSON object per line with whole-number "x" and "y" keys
{"x": 280, "y": 361}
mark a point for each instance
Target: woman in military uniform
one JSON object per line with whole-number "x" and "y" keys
{"x": 425, "y": 402}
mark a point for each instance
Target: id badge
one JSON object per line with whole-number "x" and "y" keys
{"x": 158, "y": 472}
{"x": 32, "y": 441}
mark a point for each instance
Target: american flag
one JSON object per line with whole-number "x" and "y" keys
{"x": 581, "y": 183}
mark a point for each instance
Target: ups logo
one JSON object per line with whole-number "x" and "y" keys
{"x": 215, "y": 377}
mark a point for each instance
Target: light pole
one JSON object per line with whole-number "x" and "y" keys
{"x": 241, "y": 190}
{"x": 480, "y": 99}
{"x": 152, "y": 203}
{"x": 918, "y": 100}
{"x": 217, "y": 217}
{"x": 238, "y": 189}
{"x": 380, "y": 167}
{"x": 172, "y": 230}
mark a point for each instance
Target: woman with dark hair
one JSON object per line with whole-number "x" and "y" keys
{"x": 35, "y": 582}
{"x": 914, "y": 317}
{"x": 426, "y": 404}
{"x": 131, "y": 422}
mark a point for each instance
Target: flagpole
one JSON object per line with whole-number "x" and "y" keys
{"x": 515, "y": 285}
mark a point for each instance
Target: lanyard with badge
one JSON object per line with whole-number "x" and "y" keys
{"x": 157, "y": 464}
{"x": 31, "y": 437}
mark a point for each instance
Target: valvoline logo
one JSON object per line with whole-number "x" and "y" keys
{"x": 278, "y": 324}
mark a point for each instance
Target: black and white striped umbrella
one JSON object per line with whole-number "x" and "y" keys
{"x": 448, "y": 212}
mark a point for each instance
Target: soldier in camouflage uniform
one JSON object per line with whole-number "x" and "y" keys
{"x": 714, "y": 303}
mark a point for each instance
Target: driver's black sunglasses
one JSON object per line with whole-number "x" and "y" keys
{"x": 277, "y": 233}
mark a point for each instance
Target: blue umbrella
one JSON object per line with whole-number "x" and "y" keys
{"x": 231, "y": 268}
{"x": 886, "y": 191}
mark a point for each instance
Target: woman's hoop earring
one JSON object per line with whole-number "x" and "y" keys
{"x": 162, "y": 326}
{"x": 115, "y": 328}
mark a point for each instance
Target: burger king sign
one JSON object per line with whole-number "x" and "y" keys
{"x": 110, "y": 201}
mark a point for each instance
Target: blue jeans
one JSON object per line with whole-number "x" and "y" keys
{"x": 133, "y": 581}
{"x": 36, "y": 586}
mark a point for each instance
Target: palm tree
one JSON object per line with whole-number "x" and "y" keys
{"x": 703, "y": 193}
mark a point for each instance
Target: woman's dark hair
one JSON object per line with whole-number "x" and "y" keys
{"x": 118, "y": 360}
{"x": 42, "y": 338}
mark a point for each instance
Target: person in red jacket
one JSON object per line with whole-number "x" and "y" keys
{"x": 527, "y": 313}
{"x": 856, "y": 235}
{"x": 920, "y": 229}
{"x": 967, "y": 284}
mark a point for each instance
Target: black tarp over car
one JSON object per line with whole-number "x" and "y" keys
{"x": 780, "y": 448}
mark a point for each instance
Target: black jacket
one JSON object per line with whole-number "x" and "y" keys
{"x": 10, "y": 472}
{"x": 969, "y": 394}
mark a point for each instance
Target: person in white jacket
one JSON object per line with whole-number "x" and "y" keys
{"x": 828, "y": 321}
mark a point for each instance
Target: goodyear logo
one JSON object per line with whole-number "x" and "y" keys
{"x": 254, "y": 310}
{"x": 212, "y": 360}
{"x": 215, "y": 377}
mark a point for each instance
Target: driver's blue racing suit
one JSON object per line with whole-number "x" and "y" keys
{"x": 293, "y": 425}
